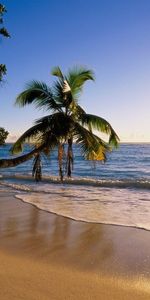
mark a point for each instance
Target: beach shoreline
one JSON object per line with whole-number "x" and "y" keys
{"x": 40, "y": 250}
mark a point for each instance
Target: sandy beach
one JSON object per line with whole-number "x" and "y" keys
{"x": 45, "y": 256}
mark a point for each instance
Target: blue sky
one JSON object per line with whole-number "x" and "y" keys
{"x": 111, "y": 37}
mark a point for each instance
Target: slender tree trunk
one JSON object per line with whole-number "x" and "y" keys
{"x": 13, "y": 162}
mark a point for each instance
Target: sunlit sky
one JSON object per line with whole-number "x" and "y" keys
{"x": 111, "y": 37}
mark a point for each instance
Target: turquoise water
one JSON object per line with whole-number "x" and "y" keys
{"x": 117, "y": 192}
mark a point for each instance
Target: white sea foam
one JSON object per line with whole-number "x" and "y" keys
{"x": 117, "y": 183}
{"x": 128, "y": 207}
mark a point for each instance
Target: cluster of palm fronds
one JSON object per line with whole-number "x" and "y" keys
{"x": 67, "y": 122}
{"x": 3, "y": 32}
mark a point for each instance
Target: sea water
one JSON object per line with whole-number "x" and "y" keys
{"x": 117, "y": 192}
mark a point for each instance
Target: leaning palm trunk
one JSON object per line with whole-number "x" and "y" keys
{"x": 69, "y": 158}
{"x": 13, "y": 162}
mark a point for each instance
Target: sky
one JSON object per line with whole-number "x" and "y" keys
{"x": 111, "y": 37}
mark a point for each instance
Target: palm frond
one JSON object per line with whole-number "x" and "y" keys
{"x": 62, "y": 95}
{"x": 58, "y": 93}
{"x": 101, "y": 125}
{"x": 114, "y": 139}
{"x": 2, "y": 9}
{"x": 76, "y": 78}
{"x": 39, "y": 94}
{"x": 67, "y": 88}
{"x": 4, "y": 32}
{"x": 56, "y": 71}
{"x": 60, "y": 124}
{"x": 76, "y": 110}
{"x": 43, "y": 129}
{"x": 47, "y": 140}
{"x": 28, "y": 136}
{"x": 3, "y": 71}
{"x": 92, "y": 147}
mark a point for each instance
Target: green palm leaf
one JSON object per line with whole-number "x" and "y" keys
{"x": 39, "y": 94}
{"x": 76, "y": 110}
{"x": 92, "y": 147}
{"x": 58, "y": 93}
{"x": 60, "y": 124}
{"x": 28, "y": 136}
{"x": 4, "y": 32}
{"x": 3, "y": 71}
{"x": 56, "y": 124}
{"x": 76, "y": 79}
{"x": 56, "y": 71}
{"x": 101, "y": 125}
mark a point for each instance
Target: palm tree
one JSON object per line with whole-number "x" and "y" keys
{"x": 67, "y": 121}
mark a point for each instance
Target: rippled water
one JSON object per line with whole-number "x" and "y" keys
{"x": 117, "y": 192}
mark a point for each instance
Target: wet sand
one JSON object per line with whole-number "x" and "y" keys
{"x": 45, "y": 256}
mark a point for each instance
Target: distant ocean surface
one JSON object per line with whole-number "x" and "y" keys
{"x": 117, "y": 192}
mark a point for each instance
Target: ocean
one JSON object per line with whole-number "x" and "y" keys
{"x": 116, "y": 192}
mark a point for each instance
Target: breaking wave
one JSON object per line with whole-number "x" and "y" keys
{"x": 28, "y": 180}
